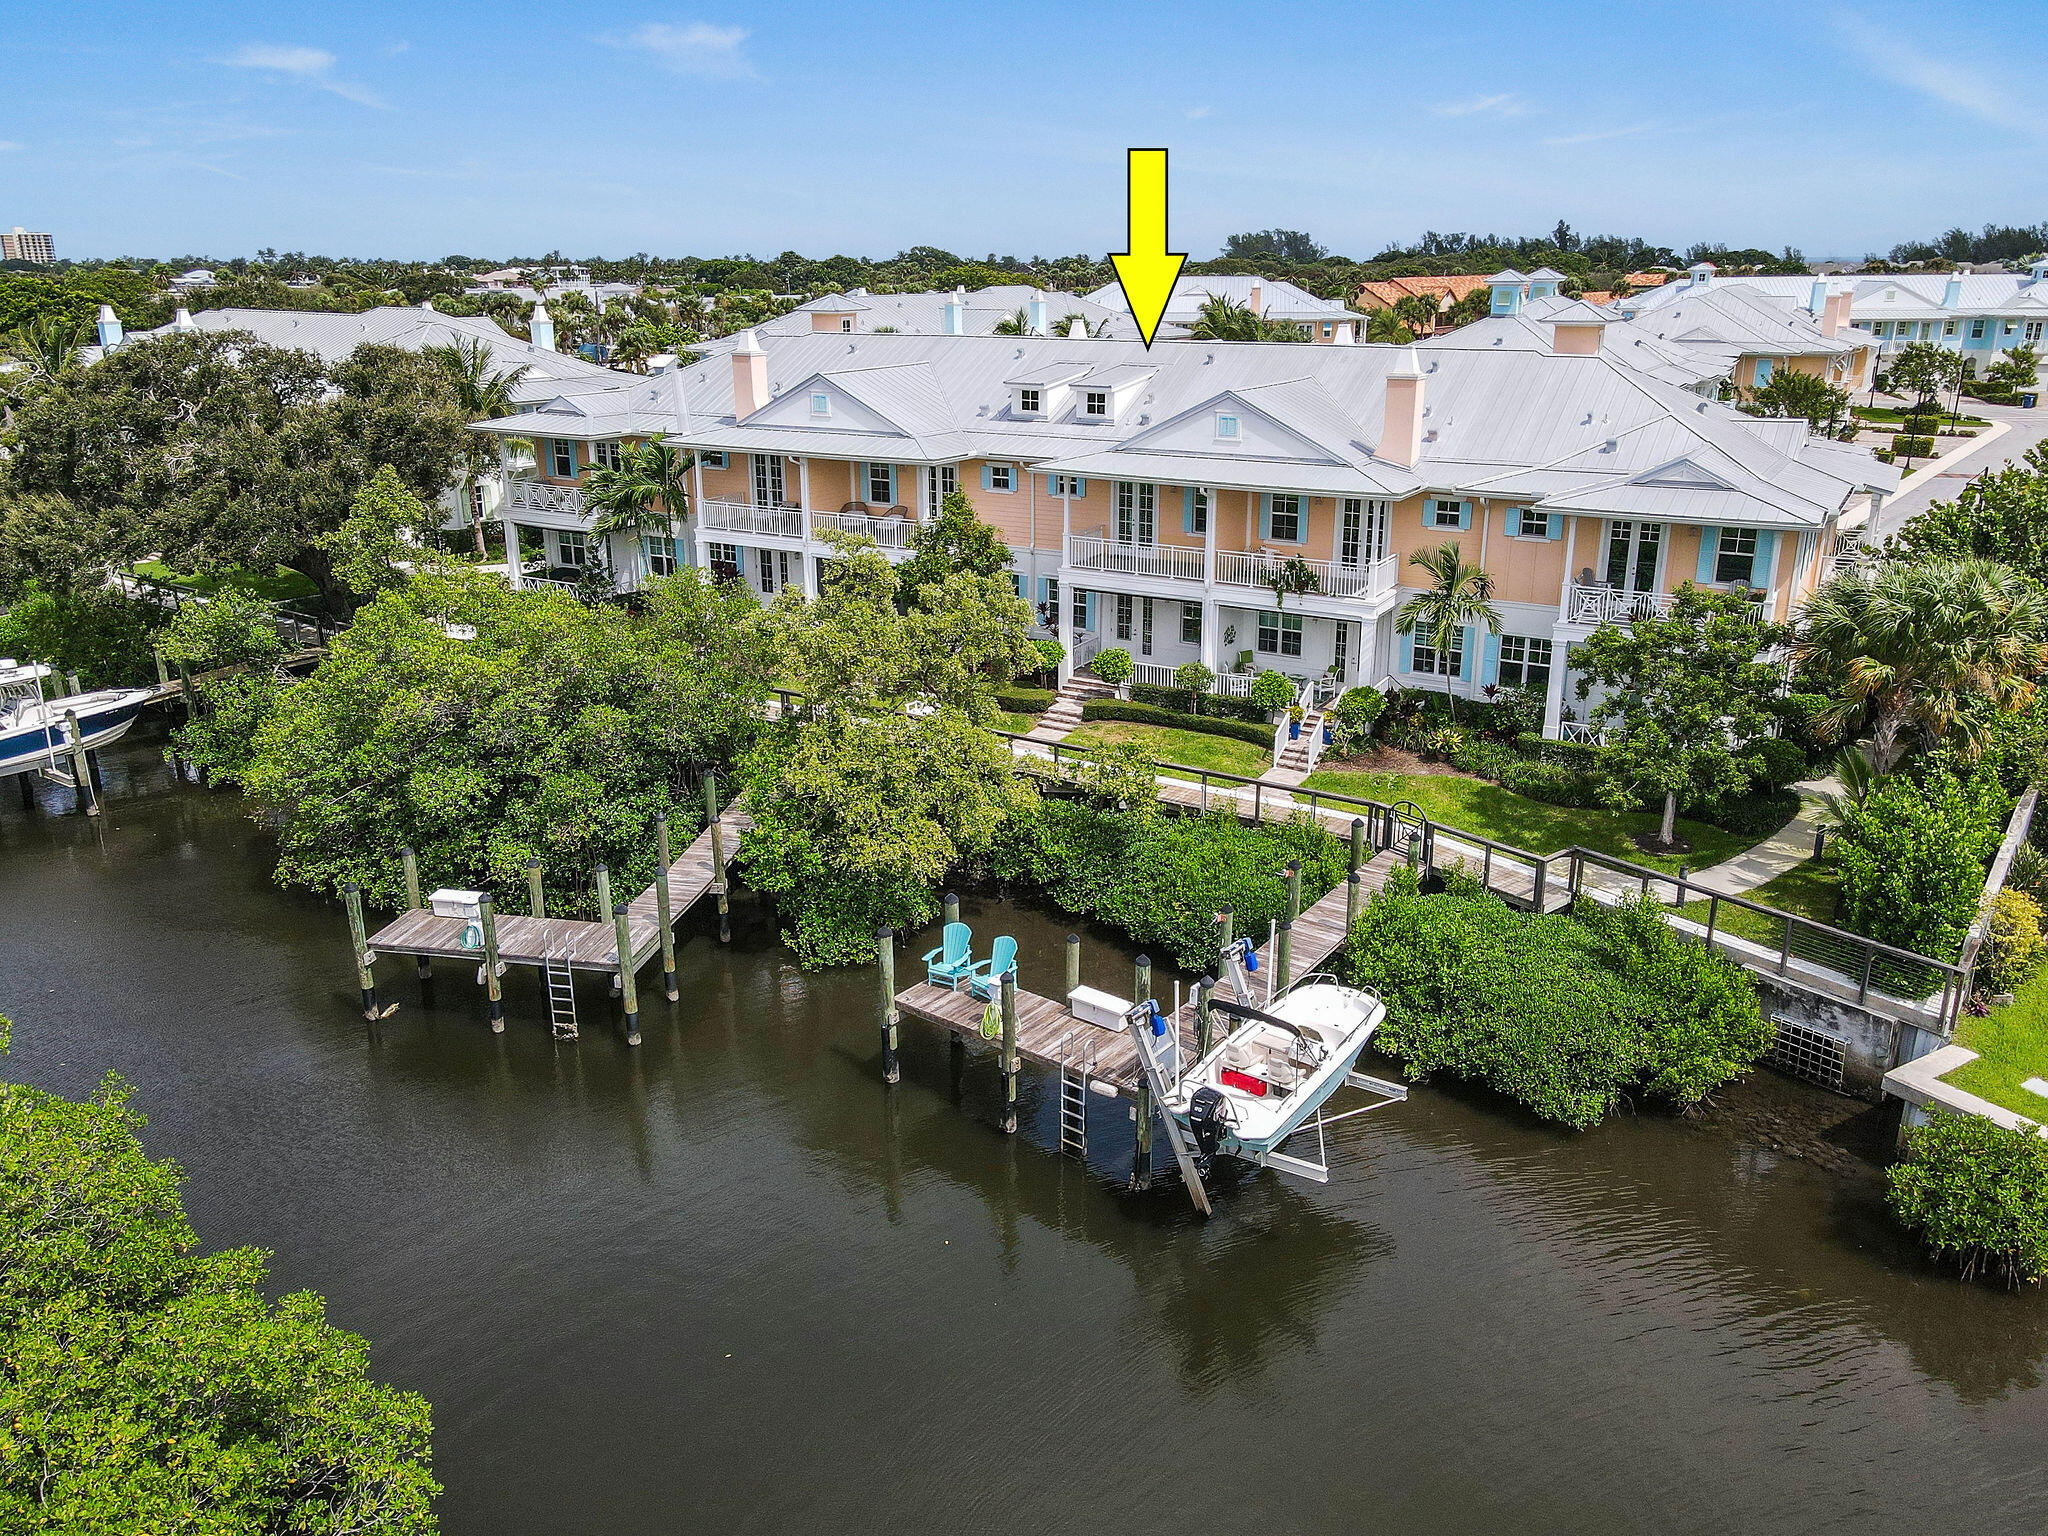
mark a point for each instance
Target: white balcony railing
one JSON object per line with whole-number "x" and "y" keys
{"x": 744, "y": 517}
{"x": 1613, "y": 605}
{"x": 1332, "y": 579}
{"x": 523, "y": 494}
{"x": 889, "y": 532}
{"x": 1153, "y": 674}
{"x": 1092, "y": 554}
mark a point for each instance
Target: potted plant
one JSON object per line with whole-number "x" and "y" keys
{"x": 1294, "y": 722}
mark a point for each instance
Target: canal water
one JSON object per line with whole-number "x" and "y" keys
{"x": 728, "y": 1282}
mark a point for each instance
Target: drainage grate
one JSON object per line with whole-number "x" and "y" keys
{"x": 1810, "y": 1053}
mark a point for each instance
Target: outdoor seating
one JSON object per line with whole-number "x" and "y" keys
{"x": 984, "y": 976}
{"x": 953, "y": 959}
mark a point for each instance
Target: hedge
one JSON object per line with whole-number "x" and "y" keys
{"x": 1025, "y": 701}
{"x": 1977, "y": 1195}
{"x": 1225, "y": 705}
{"x": 1913, "y": 447}
{"x": 1151, "y": 714}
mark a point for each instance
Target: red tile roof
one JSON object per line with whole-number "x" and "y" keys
{"x": 1386, "y": 292}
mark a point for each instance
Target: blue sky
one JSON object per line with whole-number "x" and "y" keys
{"x": 713, "y": 128}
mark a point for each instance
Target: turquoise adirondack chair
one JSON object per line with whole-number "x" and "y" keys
{"x": 953, "y": 959}
{"x": 984, "y": 976}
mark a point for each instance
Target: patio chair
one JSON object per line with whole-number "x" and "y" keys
{"x": 953, "y": 959}
{"x": 985, "y": 976}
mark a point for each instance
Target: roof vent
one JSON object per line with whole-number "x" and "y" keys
{"x": 1429, "y": 436}
{"x": 1608, "y": 446}
{"x": 1209, "y": 359}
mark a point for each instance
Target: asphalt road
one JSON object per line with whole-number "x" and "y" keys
{"x": 2027, "y": 429}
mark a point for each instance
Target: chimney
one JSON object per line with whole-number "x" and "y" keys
{"x": 1401, "y": 431}
{"x": 1816, "y": 301}
{"x": 749, "y": 377}
{"x": 182, "y": 320}
{"x": 541, "y": 328}
{"x": 1257, "y": 303}
{"x": 1037, "y": 313}
{"x": 1836, "y": 315}
{"x": 956, "y": 313}
{"x": 109, "y": 328}
{"x": 1952, "y": 292}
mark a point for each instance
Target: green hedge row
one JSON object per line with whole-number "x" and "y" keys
{"x": 1152, "y": 714}
{"x": 1224, "y": 705}
{"x": 1913, "y": 447}
{"x": 1025, "y": 701}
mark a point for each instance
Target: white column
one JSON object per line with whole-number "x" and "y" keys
{"x": 803, "y": 493}
{"x": 512, "y": 571}
{"x": 1208, "y": 543}
{"x": 1068, "y": 627}
{"x": 1212, "y": 626}
{"x": 1571, "y": 544}
{"x": 697, "y": 556}
{"x": 1553, "y": 698}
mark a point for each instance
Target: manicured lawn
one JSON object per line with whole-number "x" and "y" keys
{"x": 2011, "y": 1046}
{"x": 1483, "y": 807}
{"x": 1805, "y": 891}
{"x": 1020, "y": 724}
{"x": 1191, "y": 749}
{"x": 1890, "y": 417}
{"x": 285, "y": 586}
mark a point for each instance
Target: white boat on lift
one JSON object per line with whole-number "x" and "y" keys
{"x": 34, "y": 734}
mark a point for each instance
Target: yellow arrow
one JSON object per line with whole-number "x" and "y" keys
{"x": 1146, "y": 268}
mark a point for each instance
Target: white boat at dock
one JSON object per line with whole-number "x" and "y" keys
{"x": 35, "y": 733}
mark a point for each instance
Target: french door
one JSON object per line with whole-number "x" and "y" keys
{"x": 768, "y": 480}
{"x": 1137, "y": 512}
{"x": 1362, "y": 532}
{"x": 1632, "y": 552}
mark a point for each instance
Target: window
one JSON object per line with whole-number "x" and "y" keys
{"x": 1049, "y": 607}
{"x": 606, "y": 456}
{"x": 1095, "y": 402}
{"x": 1145, "y": 630}
{"x": 712, "y": 458}
{"x": 1347, "y": 538}
{"x": 845, "y": 323}
{"x": 944, "y": 481}
{"x": 725, "y": 560}
{"x": 767, "y": 563}
{"x": 1329, "y": 330}
{"x": 1066, "y": 485}
{"x": 572, "y": 550}
{"x": 1084, "y": 610}
{"x": 1763, "y": 372}
{"x": 2033, "y": 332}
{"x": 1190, "y": 623}
{"x": 882, "y": 484}
{"x": 660, "y": 554}
{"x": 1976, "y": 330}
{"x": 1735, "y": 555}
{"x": 1435, "y": 663}
{"x": 1446, "y": 514}
{"x": 561, "y": 458}
{"x": 821, "y": 403}
{"x": 999, "y": 477}
{"x": 1198, "y": 509}
{"x": 1027, "y": 401}
{"x": 1525, "y": 663}
{"x": 1227, "y": 426}
{"x": 1948, "y": 328}
{"x": 1137, "y": 512}
{"x": 768, "y": 480}
{"x": 1123, "y": 615}
{"x": 1284, "y": 527}
{"x": 1280, "y": 634}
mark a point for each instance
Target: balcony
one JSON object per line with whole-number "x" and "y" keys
{"x": 524, "y": 494}
{"x": 1088, "y": 553}
{"x": 889, "y": 532}
{"x": 781, "y": 521}
{"x": 1612, "y": 605}
{"x": 1332, "y": 579}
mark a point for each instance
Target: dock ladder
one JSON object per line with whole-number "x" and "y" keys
{"x": 561, "y": 993}
{"x": 1077, "y": 1070}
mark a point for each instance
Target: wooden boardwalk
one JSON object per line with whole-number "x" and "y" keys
{"x": 587, "y": 946}
{"x": 1044, "y": 1024}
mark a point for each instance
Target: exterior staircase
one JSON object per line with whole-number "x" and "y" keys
{"x": 1065, "y": 713}
{"x": 1293, "y": 763}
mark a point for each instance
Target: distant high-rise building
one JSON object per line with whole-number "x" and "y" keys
{"x": 26, "y": 245}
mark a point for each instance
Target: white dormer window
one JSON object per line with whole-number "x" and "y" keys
{"x": 846, "y": 323}
{"x": 1027, "y": 401}
{"x": 1227, "y": 426}
{"x": 821, "y": 403}
{"x": 1094, "y": 402}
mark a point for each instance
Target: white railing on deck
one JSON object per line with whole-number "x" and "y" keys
{"x": 889, "y": 532}
{"x": 783, "y": 521}
{"x": 523, "y": 494}
{"x": 1087, "y": 644}
{"x": 1235, "y": 569}
{"x": 1154, "y": 674}
{"x": 1614, "y": 605}
{"x": 1236, "y": 685}
{"x": 1169, "y": 560}
{"x": 1578, "y": 730}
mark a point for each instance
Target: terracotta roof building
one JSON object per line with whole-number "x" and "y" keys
{"x": 1386, "y": 292}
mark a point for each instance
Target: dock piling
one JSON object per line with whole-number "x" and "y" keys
{"x": 536, "y": 896}
{"x": 602, "y": 878}
{"x": 1351, "y": 890}
{"x": 661, "y": 908}
{"x": 885, "y": 954}
{"x": 423, "y": 967}
{"x": 1283, "y": 956}
{"x": 493, "y": 988}
{"x": 80, "y": 769}
{"x": 1141, "y": 1154}
{"x": 1225, "y": 920}
{"x": 359, "y": 942}
{"x": 1011, "y": 1060}
{"x": 628, "y": 993}
{"x": 1357, "y": 843}
{"x": 1205, "y": 1020}
{"x": 718, "y": 883}
{"x": 1293, "y": 889}
{"x": 1073, "y": 965}
{"x": 950, "y": 906}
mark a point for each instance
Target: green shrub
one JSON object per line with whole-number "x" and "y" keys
{"x": 1512, "y": 713}
{"x": 1223, "y": 704}
{"x": 1912, "y": 858}
{"x": 2029, "y": 873}
{"x": 1564, "y": 1014}
{"x": 1193, "y": 679}
{"x": 1912, "y": 447}
{"x": 1977, "y": 1195}
{"x": 1162, "y": 879}
{"x": 104, "y": 637}
{"x": 1555, "y": 784}
{"x": 1114, "y": 666}
{"x": 1050, "y": 654}
{"x": 1780, "y": 762}
{"x": 1583, "y": 756}
{"x": 1796, "y": 714}
{"x": 1025, "y": 701}
{"x": 2013, "y": 947}
{"x": 1751, "y": 815}
{"x": 1483, "y": 756}
{"x": 1152, "y": 714}
{"x": 1272, "y": 691}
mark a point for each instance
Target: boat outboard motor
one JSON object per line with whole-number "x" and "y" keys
{"x": 1205, "y": 1128}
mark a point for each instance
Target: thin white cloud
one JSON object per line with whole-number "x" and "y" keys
{"x": 8, "y": 146}
{"x": 1506, "y": 104}
{"x": 312, "y": 66}
{"x": 1197, "y": 113}
{"x": 1597, "y": 135}
{"x": 696, "y": 49}
{"x": 1905, "y": 61}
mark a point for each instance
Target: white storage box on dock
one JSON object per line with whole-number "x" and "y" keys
{"x": 463, "y": 904}
{"x": 1093, "y": 1007}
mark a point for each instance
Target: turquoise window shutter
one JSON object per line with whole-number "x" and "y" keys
{"x": 1710, "y": 539}
{"x": 1464, "y": 516}
{"x": 1766, "y": 560}
{"x": 1514, "y": 522}
{"x": 1408, "y": 651}
{"x": 1091, "y": 611}
{"x": 1556, "y": 530}
{"x": 1080, "y": 487}
{"x": 1489, "y": 665}
{"x": 1265, "y": 515}
{"x": 1187, "y": 509}
{"x": 1465, "y": 656}
{"x": 988, "y": 477}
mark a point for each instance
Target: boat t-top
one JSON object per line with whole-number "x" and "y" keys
{"x": 35, "y": 736}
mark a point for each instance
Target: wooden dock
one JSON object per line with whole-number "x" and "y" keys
{"x": 1046, "y": 1030}
{"x": 586, "y": 946}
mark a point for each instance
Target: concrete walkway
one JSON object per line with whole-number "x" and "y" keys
{"x": 1780, "y": 853}
{"x": 2011, "y": 433}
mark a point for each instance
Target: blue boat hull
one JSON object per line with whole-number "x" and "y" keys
{"x": 27, "y": 749}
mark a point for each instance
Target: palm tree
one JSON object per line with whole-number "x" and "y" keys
{"x": 1384, "y": 325}
{"x": 44, "y": 347}
{"x": 482, "y": 393}
{"x": 1858, "y": 779}
{"x": 1908, "y": 647}
{"x": 1460, "y": 598}
{"x": 1221, "y": 320}
{"x": 1018, "y": 324}
{"x": 1415, "y": 312}
{"x": 646, "y": 494}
